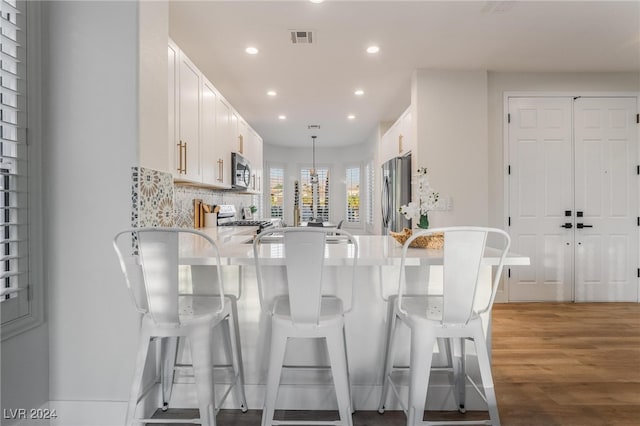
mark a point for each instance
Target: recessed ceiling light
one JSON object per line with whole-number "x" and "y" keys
{"x": 282, "y": 117}
{"x": 251, "y": 50}
{"x": 351, "y": 117}
{"x": 271, "y": 93}
{"x": 316, "y": 1}
{"x": 373, "y": 49}
{"x": 359, "y": 92}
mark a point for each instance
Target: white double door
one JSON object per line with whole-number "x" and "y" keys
{"x": 573, "y": 198}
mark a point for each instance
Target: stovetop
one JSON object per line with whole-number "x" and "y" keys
{"x": 262, "y": 223}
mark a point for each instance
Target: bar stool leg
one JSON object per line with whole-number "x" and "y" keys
{"x": 200, "y": 341}
{"x": 168, "y": 356}
{"x": 389, "y": 350}
{"x": 276, "y": 359}
{"x": 344, "y": 342}
{"x": 487, "y": 379}
{"x": 237, "y": 353}
{"x": 420, "y": 367}
{"x": 136, "y": 383}
{"x": 338, "y": 358}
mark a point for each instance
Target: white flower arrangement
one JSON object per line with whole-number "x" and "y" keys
{"x": 427, "y": 201}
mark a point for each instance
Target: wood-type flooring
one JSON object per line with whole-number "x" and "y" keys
{"x": 554, "y": 364}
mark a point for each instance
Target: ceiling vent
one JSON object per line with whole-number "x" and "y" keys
{"x": 302, "y": 37}
{"x": 313, "y": 127}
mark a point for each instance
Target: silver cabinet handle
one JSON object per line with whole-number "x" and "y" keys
{"x": 220, "y": 169}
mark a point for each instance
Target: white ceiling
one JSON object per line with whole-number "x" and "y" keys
{"x": 316, "y": 83}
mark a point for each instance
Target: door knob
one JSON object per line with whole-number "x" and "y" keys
{"x": 582, "y": 225}
{"x": 567, "y": 225}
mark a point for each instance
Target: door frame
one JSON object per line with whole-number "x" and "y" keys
{"x": 505, "y": 154}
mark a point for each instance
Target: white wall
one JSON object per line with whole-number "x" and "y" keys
{"x": 500, "y": 82}
{"x": 338, "y": 159}
{"x": 450, "y": 115}
{"x": 91, "y": 126}
{"x": 154, "y": 104}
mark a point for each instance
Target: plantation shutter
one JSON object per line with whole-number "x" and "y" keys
{"x": 320, "y": 196}
{"x": 369, "y": 175}
{"x": 276, "y": 188}
{"x": 14, "y": 277}
{"x": 353, "y": 194}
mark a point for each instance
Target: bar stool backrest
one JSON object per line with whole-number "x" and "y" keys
{"x": 464, "y": 248}
{"x": 463, "y": 252}
{"x": 304, "y": 264}
{"x": 304, "y": 251}
{"x": 151, "y": 269}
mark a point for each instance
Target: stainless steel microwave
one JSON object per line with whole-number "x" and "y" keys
{"x": 240, "y": 171}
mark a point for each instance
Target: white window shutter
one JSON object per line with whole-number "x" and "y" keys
{"x": 14, "y": 252}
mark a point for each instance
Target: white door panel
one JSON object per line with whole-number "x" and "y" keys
{"x": 540, "y": 191}
{"x": 573, "y": 161}
{"x": 606, "y": 193}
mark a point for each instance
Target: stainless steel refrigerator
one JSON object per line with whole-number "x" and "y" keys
{"x": 396, "y": 191}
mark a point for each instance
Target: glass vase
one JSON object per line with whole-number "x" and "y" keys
{"x": 424, "y": 221}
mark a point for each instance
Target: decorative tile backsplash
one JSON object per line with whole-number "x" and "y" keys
{"x": 152, "y": 198}
{"x": 156, "y": 201}
{"x": 184, "y": 196}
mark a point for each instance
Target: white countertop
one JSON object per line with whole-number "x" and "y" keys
{"x": 236, "y": 249}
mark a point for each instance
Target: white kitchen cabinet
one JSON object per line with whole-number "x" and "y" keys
{"x": 222, "y": 150}
{"x": 398, "y": 140}
{"x": 215, "y": 152}
{"x": 405, "y": 138}
{"x": 389, "y": 143}
{"x": 254, "y": 153}
{"x": 173, "y": 55}
{"x": 204, "y": 129}
{"x": 189, "y": 119}
{"x": 184, "y": 94}
{"x": 239, "y": 132}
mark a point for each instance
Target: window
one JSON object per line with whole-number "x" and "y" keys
{"x": 307, "y": 195}
{"x": 276, "y": 191}
{"x": 14, "y": 256}
{"x": 369, "y": 185}
{"x": 353, "y": 195}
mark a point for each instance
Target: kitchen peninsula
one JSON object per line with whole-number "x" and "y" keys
{"x": 376, "y": 278}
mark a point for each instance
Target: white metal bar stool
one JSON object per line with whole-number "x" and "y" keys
{"x": 305, "y": 312}
{"x": 149, "y": 258}
{"x": 448, "y": 317}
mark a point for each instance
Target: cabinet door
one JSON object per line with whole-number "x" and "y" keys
{"x": 173, "y": 166}
{"x": 213, "y": 156}
{"x": 405, "y": 135}
{"x": 253, "y": 148}
{"x": 389, "y": 143}
{"x": 257, "y": 162}
{"x": 223, "y": 140}
{"x": 237, "y": 134}
{"x": 189, "y": 120}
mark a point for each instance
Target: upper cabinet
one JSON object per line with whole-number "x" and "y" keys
{"x": 221, "y": 149}
{"x": 204, "y": 129}
{"x": 212, "y": 158}
{"x": 405, "y": 138}
{"x": 184, "y": 116}
{"x": 253, "y": 149}
{"x": 398, "y": 140}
